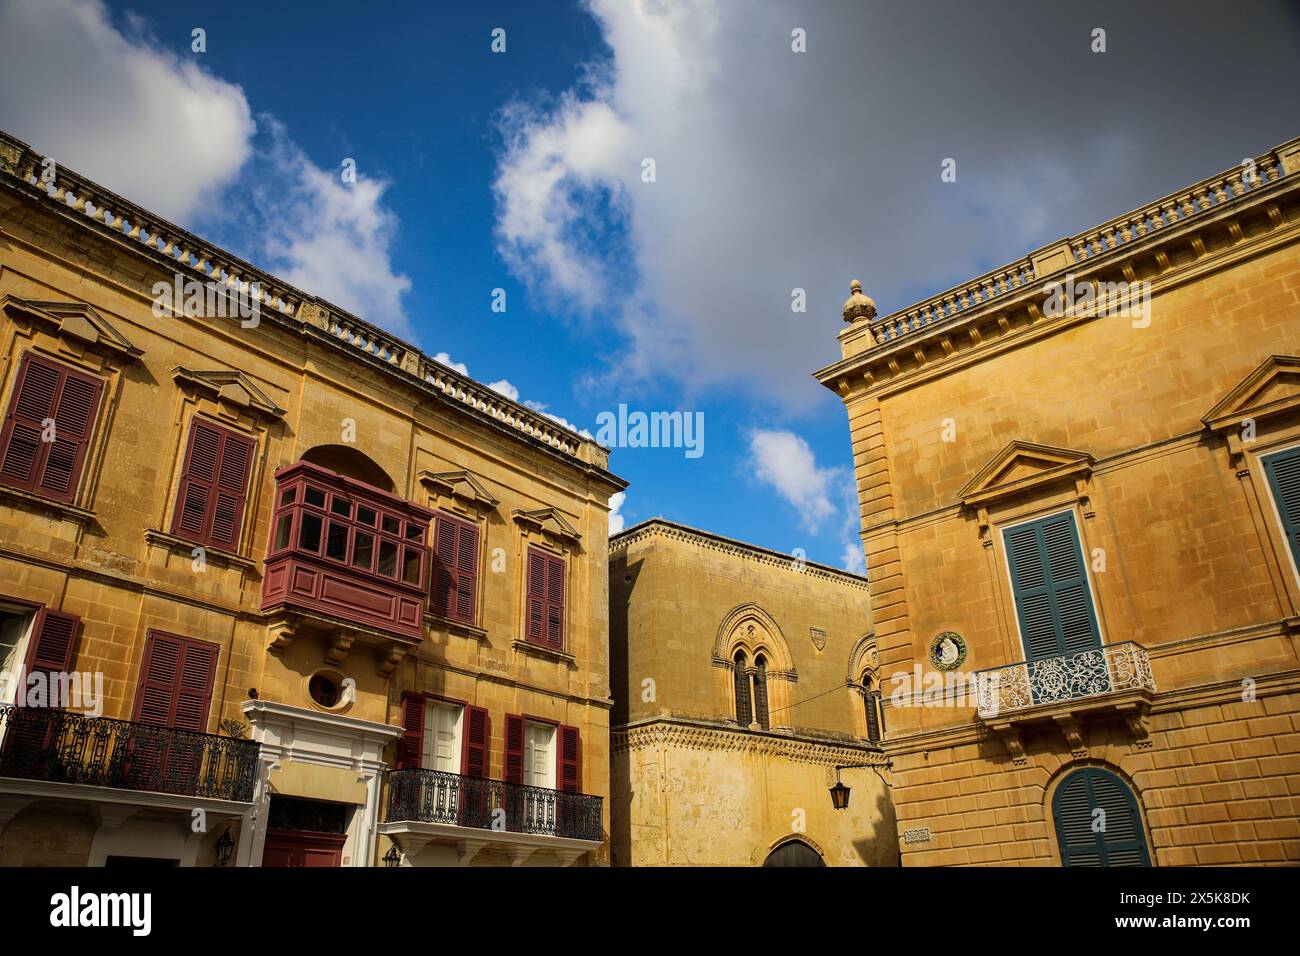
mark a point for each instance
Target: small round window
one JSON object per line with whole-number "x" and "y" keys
{"x": 324, "y": 690}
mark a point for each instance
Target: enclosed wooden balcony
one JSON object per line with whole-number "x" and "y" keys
{"x": 346, "y": 550}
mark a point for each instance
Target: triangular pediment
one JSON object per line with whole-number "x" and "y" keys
{"x": 1022, "y": 465}
{"x": 230, "y": 386}
{"x": 1271, "y": 389}
{"x": 75, "y": 320}
{"x": 459, "y": 484}
{"x": 550, "y": 521}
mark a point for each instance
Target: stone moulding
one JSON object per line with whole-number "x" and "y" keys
{"x": 80, "y": 201}
{"x": 688, "y": 736}
{"x": 678, "y": 532}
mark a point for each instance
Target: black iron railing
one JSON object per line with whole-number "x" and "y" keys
{"x": 431, "y": 796}
{"x": 38, "y": 743}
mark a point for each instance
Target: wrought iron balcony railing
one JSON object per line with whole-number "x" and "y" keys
{"x": 1094, "y": 673}
{"x": 431, "y": 796}
{"x": 38, "y": 743}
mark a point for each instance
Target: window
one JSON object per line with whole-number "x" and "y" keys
{"x": 47, "y": 428}
{"x": 324, "y": 690}
{"x": 874, "y": 705}
{"x": 214, "y": 485}
{"x": 760, "y": 691}
{"x": 743, "y": 714}
{"x": 176, "y": 678}
{"x": 455, "y": 569}
{"x": 1049, "y": 582}
{"x": 15, "y": 630}
{"x": 1098, "y": 822}
{"x": 545, "y": 598}
{"x": 443, "y": 735}
{"x": 1283, "y": 471}
{"x": 441, "y": 748}
{"x": 542, "y": 754}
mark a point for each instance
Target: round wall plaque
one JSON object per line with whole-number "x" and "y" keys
{"x": 948, "y": 651}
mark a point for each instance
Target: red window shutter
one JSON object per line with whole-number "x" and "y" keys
{"x": 555, "y": 601}
{"x": 466, "y": 571}
{"x": 214, "y": 485}
{"x": 53, "y": 643}
{"x": 569, "y": 760}
{"x": 536, "y": 597}
{"x": 514, "y": 748}
{"x": 475, "y": 751}
{"x": 444, "y": 565}
{"x": 176, "y": 681}
{"x": 48, "y": 391}
{"x": 410, "y": 746}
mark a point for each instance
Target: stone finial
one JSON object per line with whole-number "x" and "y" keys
{"x": 858, "y": 306}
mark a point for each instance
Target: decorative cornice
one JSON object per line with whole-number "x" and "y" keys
{"x": 76, "y": 320}
{"x": 679, "y": 532}
{"x": 1045, "y": 464}
{"x": 1006, "y": 306}
{"x": 549, "y": 521}
{"x": 672, "y": 732}
{"x": 81, "y": 201}
{"x": 1272, "y": 389}
{"x": 459, "y": 484}
{"x": 230, "y": 386}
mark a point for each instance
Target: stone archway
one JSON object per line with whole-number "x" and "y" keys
{"x": 794, "y": 853}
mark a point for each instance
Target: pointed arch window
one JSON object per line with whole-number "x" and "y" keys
{"x": 760, "y": 691}
{"x": 874, "y": 705}
{"x": 743, "y": 712}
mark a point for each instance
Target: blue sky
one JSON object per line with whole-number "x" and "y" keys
{"x": 522, "y": 170}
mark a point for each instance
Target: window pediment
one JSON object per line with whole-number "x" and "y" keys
{"x": 1024, "y": 466}
{"x": 460, "y": 485}
{"x": 230, "y": 388}
{"x": 549, "y": 521}
{"x": 76, "y": 323}
{"x": 1271, "y": 390}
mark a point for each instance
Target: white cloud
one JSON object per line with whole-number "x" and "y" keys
{"x": 446, "y": 360}
{"x": 786, "y": 462}
{"x": 166, "y": 134}
{"x": 779, "y": 170}
{"x": 503, "y": 387}
{"x": 616, "y": 520}
{"x": 160, "y": 130}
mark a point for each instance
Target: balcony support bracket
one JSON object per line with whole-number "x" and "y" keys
{"x": 1073, "y": 730}
{"x": 339, "y": 646}
{"x": 1135, "y": 716}
{"x": 390, "y": 656}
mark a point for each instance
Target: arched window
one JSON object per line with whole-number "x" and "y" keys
{"x": 1098, "y": 822}
{"x": 873, "y": 703}
{"x": 760, "y": 691}
{"x": 794, "y": 853}
{"x": 743, "y": 712}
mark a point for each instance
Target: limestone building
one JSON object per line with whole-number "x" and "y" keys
{"x": 742, "y": 678}
{"x": 1079, "y": 479}
{"x": 344, "y": 604}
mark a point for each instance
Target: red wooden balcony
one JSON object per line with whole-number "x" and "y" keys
{"x": 348, "y": 550}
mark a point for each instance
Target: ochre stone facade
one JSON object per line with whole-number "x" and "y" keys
{"x": 691, "y": 784}
{"x": 984, "y": 409}
{"x": 307, "y": 380}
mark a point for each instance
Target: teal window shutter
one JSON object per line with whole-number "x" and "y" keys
{"x": 1098, "y": 822}
{"x": 1283, "y": 470}
{"x": 1050, "y": 583}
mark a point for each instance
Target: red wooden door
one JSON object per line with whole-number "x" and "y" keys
{"x": 303, "y": 848}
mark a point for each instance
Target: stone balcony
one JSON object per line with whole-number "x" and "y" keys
{"x": 1112, "y": 680}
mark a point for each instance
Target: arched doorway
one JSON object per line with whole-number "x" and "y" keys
{"x": 794, "y": 853}
{"x": 1098, "y": 821}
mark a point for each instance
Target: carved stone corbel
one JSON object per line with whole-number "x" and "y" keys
{"x": 340, "y": 644}
{"x": 389, "y": 657}
{"x": 1073, "y": 731}
{"x": 282, "y": 633}
{"x": 1135, "y": 717}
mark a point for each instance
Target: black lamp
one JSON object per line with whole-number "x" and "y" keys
{"x": 393, "y": 857}
{"x": 839, "y": 793}
{"x": 225, "y": 847}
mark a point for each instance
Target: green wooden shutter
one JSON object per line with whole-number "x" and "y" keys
{"x": 1116, "y": 839}
{"x": 1050, "y": 583}
{"x": 1283, "y": 470}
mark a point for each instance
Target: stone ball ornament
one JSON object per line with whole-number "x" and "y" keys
{"x": 857, "y": 306}
{"x": 948, "y": 651}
